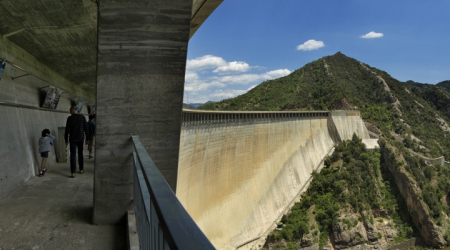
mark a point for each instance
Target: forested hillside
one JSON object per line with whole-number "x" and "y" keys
{"x": 359, "y": 190}
{"x": 403, "y": 110}
{"x": 353, "y": 201}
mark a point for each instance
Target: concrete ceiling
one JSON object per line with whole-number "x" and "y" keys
{"x": 63, "y": 34}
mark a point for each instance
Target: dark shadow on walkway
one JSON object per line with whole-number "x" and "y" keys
{"x": 54, "y": 212}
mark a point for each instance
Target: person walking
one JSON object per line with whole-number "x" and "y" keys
{"x": 45, "y": 142}
{"x": 74, "y": 135}
{"x": 90, "y": 134}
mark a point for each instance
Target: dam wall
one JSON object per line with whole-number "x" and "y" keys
{"x": 348, "y": 122}
{"x": 22, "y": 119}
{"x": 238, "y": 173}
{"x": 432, "y": 161}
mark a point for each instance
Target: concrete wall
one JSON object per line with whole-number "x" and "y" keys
{"x": 432, "y": 161}
{"x": 237, "y": 178}
{"x": 436, "y": 161}
{"x": 348, "y": 123}
{"x": 19, "y": 150}
{"x": 142, "y": 49}
{"x": 21, "y": 126}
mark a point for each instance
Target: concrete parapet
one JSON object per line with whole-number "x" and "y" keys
{"x": 191, "y": 117}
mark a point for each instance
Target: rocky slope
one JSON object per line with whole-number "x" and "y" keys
{"x": 434, "y": 235}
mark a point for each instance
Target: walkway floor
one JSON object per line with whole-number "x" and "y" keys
{"x": 54, "y": 212}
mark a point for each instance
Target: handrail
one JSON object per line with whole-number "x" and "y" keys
{"x": 164, "y": 223}
{"x": 17, "y": 105}
{"x": 24, "y": 70}
{"x": 190, "y": 117}
{"x": 197, "y": 111}
{"x": 29, "y": 73}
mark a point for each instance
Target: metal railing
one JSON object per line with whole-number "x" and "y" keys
{"x": 161, "y": 220}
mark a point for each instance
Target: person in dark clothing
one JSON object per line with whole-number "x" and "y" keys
{"x": 90, "y": 134}
{"x": 74, "y": 135}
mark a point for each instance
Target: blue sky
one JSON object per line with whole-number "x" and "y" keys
{"x": 245, "y": 42}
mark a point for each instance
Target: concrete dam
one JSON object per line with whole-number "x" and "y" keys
{"x": 239, "y": 172}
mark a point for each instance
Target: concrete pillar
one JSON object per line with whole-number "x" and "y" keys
{"x": 142, "y": 48}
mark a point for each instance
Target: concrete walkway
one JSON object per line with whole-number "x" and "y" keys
{"x": 54, "y": 212}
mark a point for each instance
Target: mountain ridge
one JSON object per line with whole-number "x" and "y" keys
{"x": 319, "y": 84}
{"x": 412, "y": 118}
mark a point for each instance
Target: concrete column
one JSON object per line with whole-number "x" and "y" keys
{"x": 142, "y": 48}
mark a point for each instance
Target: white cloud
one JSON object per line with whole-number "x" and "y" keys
{"x": 214, "y": 95}
{"x": 205, "y": 62}
{"x": 251, "y": 87}
{"x": 202, "y": 85}
{"x": 310, "y": 45}
{"x": 372, "y": 34}
{"x": 193, "y": 82}
{"x": 249, "y": 78}
{"x": 232, "y": 67}
{"x": 277, "y": 73}
{"x": 212, "y": 78}
{"x": 190, "y": 76}
{"x": 225, "y": 94}
{"x": 239, "y": 79}
{"x": 188, "y": 88}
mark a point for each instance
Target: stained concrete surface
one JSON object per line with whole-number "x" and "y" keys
{"x": 54, "y": 212}
{"x": 236, "y": 179}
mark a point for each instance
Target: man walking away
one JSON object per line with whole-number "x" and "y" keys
{"x": 74, "y": 135}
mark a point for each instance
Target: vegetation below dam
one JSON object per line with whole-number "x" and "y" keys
{"x": 375, "y": 199}
{"x": 352, "y": 201}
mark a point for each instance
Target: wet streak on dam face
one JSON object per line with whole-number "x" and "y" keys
{"x": 238, "y": 173}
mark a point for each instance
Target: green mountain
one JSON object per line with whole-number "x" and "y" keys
{"x": 413, "y": 122}
{"x": 445, "y": 84}
{"x": 313, "y": 87}
{"x": 398, "y": 109}
{"x": 437, "y": 96}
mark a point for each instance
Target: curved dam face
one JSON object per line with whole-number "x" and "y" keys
{"x": 237, "y": 176}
